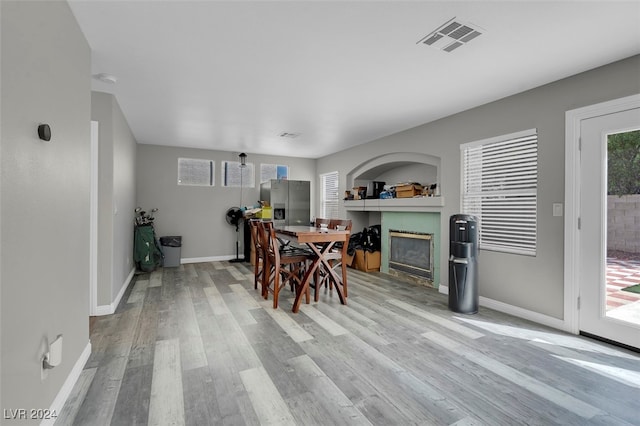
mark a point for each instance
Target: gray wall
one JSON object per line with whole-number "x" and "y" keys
{"x": 532, "y": 283}
{"x": 44, "y": 213}
{"x": 198, "y": 213}
{"x": 116, "y": 196}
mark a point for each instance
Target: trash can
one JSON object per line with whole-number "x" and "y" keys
{"x": 171, "y": 247}
{"x": 463, "y": 264}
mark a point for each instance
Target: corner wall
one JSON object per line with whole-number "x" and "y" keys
{"x": 44, "y": 193}
{"x": 117, "y": 151}
{"x": 197, "y": 213}
{"x": 531, "y": 283}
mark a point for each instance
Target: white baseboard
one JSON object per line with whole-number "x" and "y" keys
{"x": 516, "y": 311}
{"x": 69, "y": 383}
{"x": 109, "y": 309}
{"x": 207, "y": 259}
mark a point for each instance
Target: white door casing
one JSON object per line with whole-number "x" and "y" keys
{"x": 576, "y": 270}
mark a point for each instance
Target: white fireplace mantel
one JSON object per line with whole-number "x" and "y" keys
{"x": 418, "y": 204}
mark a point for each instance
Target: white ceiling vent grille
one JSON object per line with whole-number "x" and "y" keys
{"x": 289, "y": 135}
{"x": 451, "y": 35}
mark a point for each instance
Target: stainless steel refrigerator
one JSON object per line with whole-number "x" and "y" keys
{"x": 289, "y": 199}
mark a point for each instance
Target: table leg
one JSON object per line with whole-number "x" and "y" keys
{"x": 319, "y": 260}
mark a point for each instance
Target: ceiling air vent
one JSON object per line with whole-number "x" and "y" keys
{"x": 451, "y": 35}
{"x": 289, "y": 135}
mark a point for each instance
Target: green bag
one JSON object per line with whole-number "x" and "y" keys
{"x": 146, "y": 253}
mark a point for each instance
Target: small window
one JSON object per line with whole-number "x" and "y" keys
{"x": 233, "y": 175}
{"x": 273, "y": 171}
{"x": 329, "y": 199}
{"x": 499, "y": 186}
{"x": 196, "y": 172}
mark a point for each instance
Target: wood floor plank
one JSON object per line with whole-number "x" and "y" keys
{"x": 102, "y": 395}
{"x": 79, "y": 392}
{"x": 249, "y": 301}
{"x": 216, "y": 301}
{"x": 555, "y": 396}
{"x": 143, "y": 344}
{"x": 453, "y": 326}
{"x": 155, "y": 278}
{"x": 138, "y": 292}
{"x": 132, "y": 406}
{"x": 267, "y": 402}
{"x": 200, "y": 335}
{"x": 235, "y": 273}
{"x": 286, "y": 323}
{"x": 200, "y": 403}
{"x": 166, "y": 404}
{"x": 341, "y": 316}
{"x": 336, "y": 405}
{"x": 324, "y": 321}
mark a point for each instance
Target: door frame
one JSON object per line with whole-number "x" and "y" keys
{"x": 572, "y": 200}
{"x": 93, "y": 222}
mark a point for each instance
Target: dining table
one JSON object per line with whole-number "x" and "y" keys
{"x": 320, "y": 241}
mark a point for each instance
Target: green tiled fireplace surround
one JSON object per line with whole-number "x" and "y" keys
{"x": 428, "y": 223}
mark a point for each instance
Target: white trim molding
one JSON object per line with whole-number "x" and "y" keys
{"x": 110, "y": 309}
{"x": 93, "y": 222}
{"x": 573, "y": 119}
{"x": 207, "y": 259}
{"x": 67, "y": 387}
{"x": 515, "y": 311}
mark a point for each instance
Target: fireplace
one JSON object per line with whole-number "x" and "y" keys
{"x": 411, "y": 253}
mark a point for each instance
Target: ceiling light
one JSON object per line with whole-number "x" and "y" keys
{"x": 106, "y": 78}
{"x": 451, "y": 35}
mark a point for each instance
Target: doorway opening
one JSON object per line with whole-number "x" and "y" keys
{"x": 623, "y": 227}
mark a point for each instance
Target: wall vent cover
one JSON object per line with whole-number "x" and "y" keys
{"x": 451, "y": 35}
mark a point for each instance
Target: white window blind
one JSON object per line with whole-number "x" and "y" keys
{"x": 499, "y": 186}
{"x": 196, "y": 172}
{"x": 329, "y": 195}
{"x": 234, "y": 175}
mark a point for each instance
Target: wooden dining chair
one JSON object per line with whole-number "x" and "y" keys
{"x": 281, "y": 267}
{"x": 321, "y": 221}
{"x": 335, "y": 256}
{"x": 259, "y": 261}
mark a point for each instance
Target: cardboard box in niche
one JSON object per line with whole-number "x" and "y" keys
{"x": 366, "y": 261}
{"x": 408, "y": 191}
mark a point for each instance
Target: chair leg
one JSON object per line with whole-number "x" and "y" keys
{"x": 276, "y": 288}
{"x": 308, "y": 291}
{"x": 258, "y": 273}
{"x": 344, "y": 279}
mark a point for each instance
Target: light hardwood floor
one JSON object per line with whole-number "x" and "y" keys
{"x": 196, "y": 345}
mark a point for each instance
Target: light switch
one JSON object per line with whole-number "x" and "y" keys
{"x": 557, "y": 209}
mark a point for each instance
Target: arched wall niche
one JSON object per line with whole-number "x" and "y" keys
{"x": 377, "y": 166}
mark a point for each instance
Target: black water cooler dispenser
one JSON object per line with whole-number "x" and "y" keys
{"x": 463, "y": 264}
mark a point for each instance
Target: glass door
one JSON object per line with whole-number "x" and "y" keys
{"x": 610, "y": 227}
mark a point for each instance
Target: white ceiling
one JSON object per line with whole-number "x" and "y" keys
{"x": 234, "y": 75}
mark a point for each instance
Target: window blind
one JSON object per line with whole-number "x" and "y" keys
{"x": 196, "y": 172}
{"x": 233, "y": 175}
{"x": 499, "y": 186}
{"x": 329, "y": 195}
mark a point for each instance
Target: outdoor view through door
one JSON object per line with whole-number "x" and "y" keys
{"x": 608, "y": 225}
{"x": 623, "y": 227}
